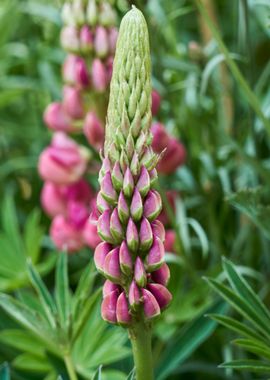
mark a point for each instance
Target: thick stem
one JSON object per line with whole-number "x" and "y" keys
{"x": 140, "y": 335}
{"x": 70, "y": 367}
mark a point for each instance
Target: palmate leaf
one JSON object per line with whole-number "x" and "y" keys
{"x": 245, "y": 301}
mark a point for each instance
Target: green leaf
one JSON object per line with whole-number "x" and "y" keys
{"x": 21, "y": 340}
{"x": 254, "y": 346}
{"x": 44, "y": 295}
{"x": 62, "y": 290}
{"x": 243, "y": 289}
{"x": 240, "y": 305}
{"x": 248, "y": 365}
{"x": 186, "y": 342}
{"x": 236, "y": 326}
{"x": 33, "y": 234}
{"x": 26, "y": 361}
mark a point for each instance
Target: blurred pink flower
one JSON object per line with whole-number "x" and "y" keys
{"x": 64, "y": 161}
{"x": 99, "y": 75}
{"x": 156, "y": 99}
{"x": 94, "y": 130}
{"x": 75, "y": 71}
{"x": 57, "y": 119}
{"x": 73, "y": 102}
{"x": 65, "y": 236}
{"x": 170, "y": 239}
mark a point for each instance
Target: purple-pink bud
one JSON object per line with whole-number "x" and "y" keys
{"x": 116, "y": 227}
{"x": 161, "y": 138}
{"x": 122, "y": 313}
{"x": 158, "y": 229}
{"x": 161, "y": 275}
{"x": 136, "y": 207}
{"x": 86, "y": 39}
{"x": 90, "y": 234}
{"x": 109, "y": 287}
{"x": 146, "y": 235}
{"x": 113, "y": 35}
{"x": 134, "y": 295}
{"x": 123, "y": 209}
{"x": 69, "y": 38}
{"x": 103, "y": 226}
{"x": 99, "y": 75}
{"x": 52, "y": 200}
{"x": 82, "y": 73}
{"x": 117, "y": 176}
{"x": 153, "y": 176}
{"x": 143, "y": 184}
{"x": 140, "y": 273}
{"x": 170, "y": 240}
{"x": 155, "y": 257}
{"x": 107, "y": 189}
{"x": 93, "y": 130}
{"x": 100, "y": 254}
{"x": 132, "y": 236}
{"x": 125, "y": 259}
{"x": 75, "y": 71}
{"x": 161, "y": 294}
{"x": 65, "y": 236}
{"x": 128, "y": 184}
{"x": 152, "y": 205}
{"x": 101, "y": 42}
{"x": 151, "y": 307}
{"x": 156, "y": 99}
{"x": 57, "y": 119}
{"x": 111, "y": 266}
{"x": 108, "y": 307}
{"x": 64, "y": 161}
{"x": 102, "y": 205}
{"x": 73, "y": 102}
{"x": 77, "y": 213}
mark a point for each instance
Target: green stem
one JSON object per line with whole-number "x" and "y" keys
{"x": 140, "y": 335}
{"x": 70, "y": 367}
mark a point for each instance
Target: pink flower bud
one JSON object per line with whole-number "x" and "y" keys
{"x": 136, "y": 207}
{"x": 78, "y": 191}
{"x": 135, "y": 164}
{"x": 143, "y": 184}
{"x": 69, "y": 38}
{"x": 103, "y": 226}
{"x": 90, "y": 234}
{"x": 117, "y": 176}
{"x": 75, "y": 71}
{"x": 63, "y": 162}
{"x": 146, "y": 235}
{"x": 99, "y": 75}
{"x": 100, "y": 254}
{"x": 108, "y": 307}
{"x": 170, "y": 239}
{"x": 128, "y": 184}
{"x": 113, "y": 35}
{"x": 109, "y": 287}
{"x": 86, "y": 39}
{"x": 102, "y": 205}
{"x": 153, "y": 176}
{"x": 111, "y": 266}
{"x": 101, "y": 42}
{"x": 125, "y": 258}
{"x": 57, "y": 119}
{"x": 132, "y": 236}
{"x": 158, "y": 230}
{"x": 134, "y": 295}
{"x": 123, "y": 209}
{"x": 107, "y": 190}
{"x": 151, "y": 307}
{"x": 155, "y": 258}
{"x": 116, "y": 227}
{"x": 139, "y": 273}
{"x": 106, "y": 167}
{"x": 161, "y": 138}
{"x": 161, "y": 294}
{"x": 122, "y": 313}
{"x": 65, "y": 236}
{"x": 52, "y": 200}
{"x": 93, "y": 130}
{"x": 173, "y": 157}
{"x": 152, "y": 205}
{"x": 73, "y": 102}
{"x": 162, "y": 275}
{"x": 156, "y": 99}
{"x": 77, "y": 214}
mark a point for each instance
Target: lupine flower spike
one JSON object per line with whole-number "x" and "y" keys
{"x": 131, "y": 255}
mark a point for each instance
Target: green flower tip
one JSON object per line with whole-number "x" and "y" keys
{"x": 129, "y": 110}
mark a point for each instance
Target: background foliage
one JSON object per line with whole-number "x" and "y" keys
{"x": 216, "y": 99}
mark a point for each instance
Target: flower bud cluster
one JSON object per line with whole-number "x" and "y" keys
{"x": 131, "y": 254}
{"x": 89, "y": 36}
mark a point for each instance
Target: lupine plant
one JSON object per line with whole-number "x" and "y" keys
{"x": 131, "y": 256}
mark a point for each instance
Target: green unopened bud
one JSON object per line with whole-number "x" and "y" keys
{"x": 130, "y": 94}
